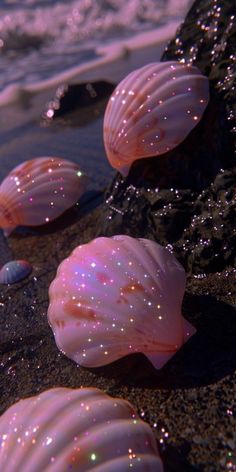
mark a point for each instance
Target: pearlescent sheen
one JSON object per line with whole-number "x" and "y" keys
{"x": 78, "y": 430}
{"x": 117, "y": 296}
{"x": 152, "y": 111}
{"x": 38, "y": 191}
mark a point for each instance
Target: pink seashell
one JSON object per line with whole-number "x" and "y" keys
{"x": 78, "y": 430}
{"x": 116, "y": 296}
{"x": 152, "y": 110}
{"x": 38, "y": 191}
{"x": 14, "y": 271}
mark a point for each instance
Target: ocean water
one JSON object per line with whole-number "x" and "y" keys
{"x": 46, "y": 43}
{"x": 43, "y": 42}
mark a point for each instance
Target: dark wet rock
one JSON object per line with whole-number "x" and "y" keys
{"x": 156, "y": 214}
{"x": 200, "y": 228}
{"x": 177, "y": 198}
{"x": 71, "y": 97}
{"x": 17, "y": 42}
{"x": 126, "y": 212}
{"x": 209, "y": 244}
{"x": 207, "y": 39}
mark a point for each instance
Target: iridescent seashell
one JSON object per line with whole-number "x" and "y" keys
{"x": 152, "y": 110}
{"x": 82, "y": 430}
{"x": 38, "y": 191}
{"x": 117, "y": 296}
{"x": 14, "y": 271}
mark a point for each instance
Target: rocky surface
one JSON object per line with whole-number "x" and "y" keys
{"x": 71, "y": 97}
{"x": 176, "y": 198}
{"x": 199, "y": 227}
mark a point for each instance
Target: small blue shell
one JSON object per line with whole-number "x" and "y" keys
{"x": 14, "y": 271}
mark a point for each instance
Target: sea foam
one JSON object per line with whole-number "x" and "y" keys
{"x": 44, "y": 43}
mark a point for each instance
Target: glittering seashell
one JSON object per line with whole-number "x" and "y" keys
{"x": 78, "y": 430}
{"x": 14, "y": 271}
{"x": 152, "y": 110}
{"x": 116, "y": 296}
{"x": 38, "y": 191}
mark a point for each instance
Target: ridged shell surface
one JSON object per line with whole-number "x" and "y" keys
{"x": 14, "y": 271}
{"x": 82, "y": 430}
{"x": 152, "y": 110}
{"x": 38, "y": 191}
{"x": 116, "y": 296}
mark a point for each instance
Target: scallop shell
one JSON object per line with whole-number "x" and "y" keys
{"x": 116, "y": 296}
{"x": 76, "y": 430}
{"x": 14, "y": 271}
{"x": 38, "y": 191}
{"x": 152, "y": 110}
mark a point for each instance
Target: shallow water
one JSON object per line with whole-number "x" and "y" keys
{"x": 47, "y": 43}
{"x": 41, "y": 39}
{"x": 78, "y": 136}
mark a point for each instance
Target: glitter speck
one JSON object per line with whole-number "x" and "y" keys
{"x": 48, "y": 441}
{"x": 50, "y": 113}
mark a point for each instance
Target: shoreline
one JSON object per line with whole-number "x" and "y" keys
{"x": 24, "y": 136}
{"x": 111, "y": 58}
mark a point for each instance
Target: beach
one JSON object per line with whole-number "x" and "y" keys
{"x": 190, "y": 402}
{"x": 21, "y": 116}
